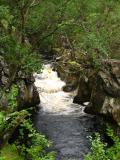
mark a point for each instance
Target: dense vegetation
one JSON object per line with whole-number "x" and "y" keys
{"x": 28, "y": 143}
{"x": 83, "y": 27}
{"x": 101, "y": 150}
{"x": 19, "y": 55}
{"x": 81, "y": 31}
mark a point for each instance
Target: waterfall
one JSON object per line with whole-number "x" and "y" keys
{"x": 48, "y": 81}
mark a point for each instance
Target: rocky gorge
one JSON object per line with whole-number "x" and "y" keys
{"x": 105, "y": 94}
{"x": 101, "y": 88}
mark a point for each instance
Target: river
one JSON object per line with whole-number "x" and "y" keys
{"x": 62, "y": 121}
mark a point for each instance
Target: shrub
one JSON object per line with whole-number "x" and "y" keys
{"x": 29, "y": 144}
{"x": 102, "y": 151}
{"x": 9, "y": 152}
{"x": 33, "y": 144}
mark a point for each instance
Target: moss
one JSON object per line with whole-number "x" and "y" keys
{"x": 117, "y": 101}
{"x": 9, "y": 152}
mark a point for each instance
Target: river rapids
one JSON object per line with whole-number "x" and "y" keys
{"x": 62, "y": 121}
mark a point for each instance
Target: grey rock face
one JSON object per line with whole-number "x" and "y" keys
{"x": 28, "y": 95}
{"x": 105, "y": 95}
{"x": 84, "y": 91}
{"x": 102, "y": 90}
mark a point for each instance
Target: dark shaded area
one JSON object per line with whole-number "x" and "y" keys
{"x": 69, "y": 133}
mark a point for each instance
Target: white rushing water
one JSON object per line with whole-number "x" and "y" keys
{"x": 53, "y": 98}
{"x": 62, "y": 121}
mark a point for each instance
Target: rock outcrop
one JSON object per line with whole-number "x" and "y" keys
{"x": 86, "y": 84}
{"x": 28, "y": 95}
{"x": 84, "y": 90}
{"x": 70, "y": 78}
{"x": 102, "y": 90}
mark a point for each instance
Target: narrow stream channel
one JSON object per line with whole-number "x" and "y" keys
{"x": 62, "y": 121}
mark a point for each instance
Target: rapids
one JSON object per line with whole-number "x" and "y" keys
{"x": 62, "y": 121}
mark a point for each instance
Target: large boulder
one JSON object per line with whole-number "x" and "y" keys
{"x": 105, "y": 96}
{"x": 4, "y": 72}
{"x": 70, "y": 78}
{"x": 28, "y": 94}
{"x": 86, "y": 83}
{"x": 84, "y": 91}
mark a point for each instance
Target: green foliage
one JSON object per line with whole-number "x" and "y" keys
{"x": 31, "y": 62}
{"x": 91, "y": 26}
{"x": 12, "y": 104}
{"x": 11, "y": 97}
{"x": 2, "y": 121}
{"x": 35, "y": 145}
{"x": 101, "y": 151}
{"x": 114, "y": 151}
{"x": 9, "y": 152}
{"x": 5, "y": 15}
{"x": 19, "y": 56}
{"x": 74, "y": 66}
{"x": 30, "y": 144}
{"x": 14, "y": 43}
{"x": 9, "y": 122}
{"x": 97, "y": 150}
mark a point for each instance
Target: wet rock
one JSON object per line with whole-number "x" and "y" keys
{"x": 3, "y": 103}
{"x": 85, "y": 88}
{"x": 84, "y": 93}
{"x": 28, "y": 95}
{"x": 69, "y": 88}
{"x": 4, "y": 80}
{"x": 29, "y": 79}
{"x": 105, "y": 97}
{"x": 21, "y": 75}
{"x": 4, "y": 72}
{"x": 71, "y": 79}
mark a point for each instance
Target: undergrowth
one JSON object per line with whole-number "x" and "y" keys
{"x": 28, "y": 144}
{"x": 101, "y": 150}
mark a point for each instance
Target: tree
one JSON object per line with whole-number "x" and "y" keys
{"x": 92, "y": 27}
{"x": 14, "y": 45}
